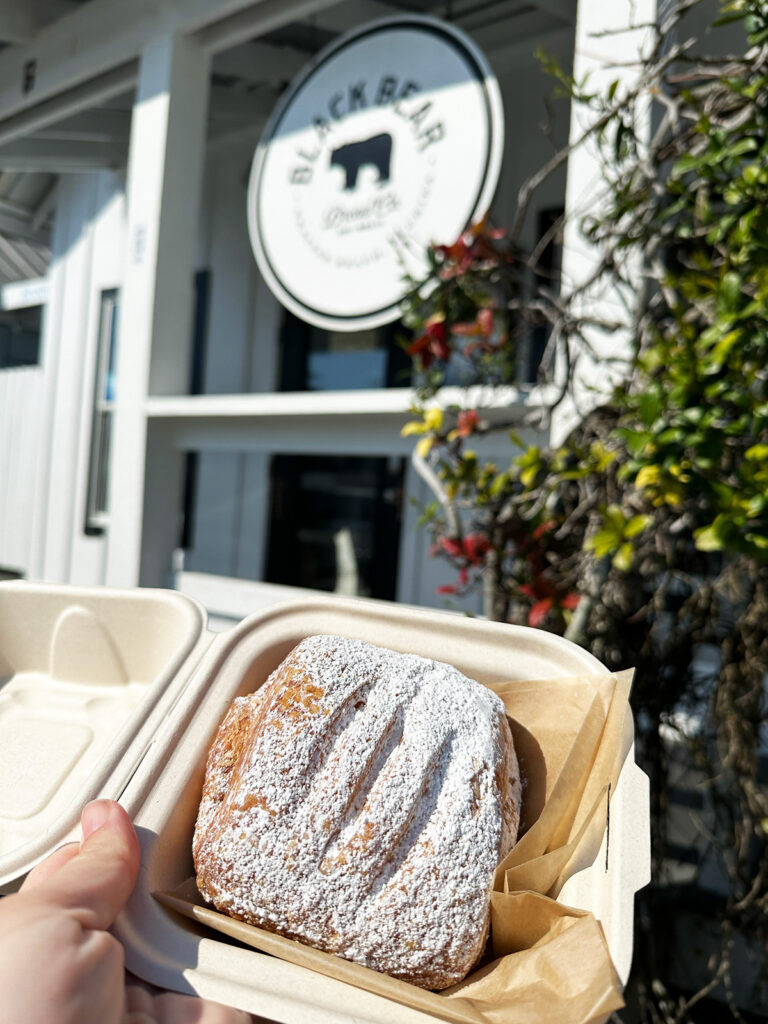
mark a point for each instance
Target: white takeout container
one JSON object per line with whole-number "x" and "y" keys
{"x": 107, "y": 693}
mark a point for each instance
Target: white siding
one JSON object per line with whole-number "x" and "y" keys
{"x": 21, "y": 414}
{"x": 45, "y": 411}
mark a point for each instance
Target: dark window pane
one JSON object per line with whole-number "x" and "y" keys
{"x": 20, "y": 337}
{"x": 547, "y": 275}
{"x": 101, "y": 418}
{"x": 316, "y": 360}
{"x": 335, "y": 523}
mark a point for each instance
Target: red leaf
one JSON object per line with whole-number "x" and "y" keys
{"x": 416, "y": 346}
{"x": 570, "y": 601}
{"x": 436, "y": 330}
{"x": 538, "y": 612}
{"x": 446, "y": 588}
{"x": 467, "y": 424}
{"x": 440, "y": 348}
{"x": 451, "y": 546}
{"x": 543, "y": 529}
{"x": 467, "y": 329}
{"x": 475, "y": 546}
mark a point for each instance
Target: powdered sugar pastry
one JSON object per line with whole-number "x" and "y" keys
{"x": 360, "y": 801}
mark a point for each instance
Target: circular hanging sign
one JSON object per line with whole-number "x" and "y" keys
{"x": 390, "y": 140}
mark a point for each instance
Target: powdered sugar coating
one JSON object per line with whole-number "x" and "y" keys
{"x": 360, "y": 801}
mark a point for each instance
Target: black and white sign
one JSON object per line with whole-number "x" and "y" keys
{"x": 391, "y": 139}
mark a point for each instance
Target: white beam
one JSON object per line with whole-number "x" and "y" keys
{"x": 528, "y": 28}
{"x": 56, "y": 157}
{"x": 20, "y": 227}
{"x": 260, "y": 62}
{"x": 240, "y": 108}
{"x": 17, "y": 22}
{"x": 521, "y": 53}
{"x": 90, "y": 126}
{"x": 102, "y": 35}
{"x": 256, "y": 20}
{"x": 72, "y": 101}
{"x": 23, "y": 294}
{"x": 342, "y": 17}
{"x": 15, "y": 209}
{"x": 565, "y": 10}
{"x": 607, "y": 47}
{"x": 163, "y": 201}
{"x": 21, "y": 19}
{"x": 46, "y": 206}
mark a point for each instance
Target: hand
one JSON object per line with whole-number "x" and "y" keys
{"x": 58, "y": 962}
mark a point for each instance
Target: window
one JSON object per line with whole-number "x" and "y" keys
{"x": 97, "y": 512}
{"x": 103, "y": 405}
{"x": 547, "y": 274}
{"x": 316, "y": 360}
{"x": 335, "y": 523}
{"x": 20, "y": 337}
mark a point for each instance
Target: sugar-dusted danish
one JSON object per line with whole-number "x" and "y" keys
{"x": 360, "y": 801}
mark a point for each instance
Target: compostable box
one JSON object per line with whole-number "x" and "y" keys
{"x": 119, "y": 693}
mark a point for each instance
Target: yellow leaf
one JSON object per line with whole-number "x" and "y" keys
{"x": 425, "y": 446}
{"x": 414, "y": 427}
{"x": 624, "y": 557}
{"x": 671, "y": 495}
{"x": 679, "y": 474}
{"x": 647, "y": 477}
{"x": 433, "y": 419}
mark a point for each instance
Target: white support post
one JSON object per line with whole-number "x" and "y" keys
{"x": 611, "y": 40}
{"x": 163, "y": 198}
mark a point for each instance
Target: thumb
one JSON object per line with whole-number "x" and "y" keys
{"x": 96, "y": 883}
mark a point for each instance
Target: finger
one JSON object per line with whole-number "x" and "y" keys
{"x": 96, "y": 883}
{"x": 139, "y": 1005}
{"x": 170, "y": 1008}
{"x": 50, "y": 866}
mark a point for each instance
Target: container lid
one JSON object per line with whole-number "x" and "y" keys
{"x": 86, "y": 677}
{"x": 164, "y": 795}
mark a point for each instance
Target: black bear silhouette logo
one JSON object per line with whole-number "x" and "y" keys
{"x": 376, "y": 151}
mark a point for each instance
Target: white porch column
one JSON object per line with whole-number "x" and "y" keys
{"x": 163, "y": 197}
{"x": 607, "y": 47}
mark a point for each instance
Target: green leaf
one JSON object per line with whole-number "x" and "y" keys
{"x": 685, "y": 164}
{"x": 712, "y": 537}
{"x": 649, "y": 406}
{"x": 637, "y": 441}
{"x": 602, "y": 456}
{"x": 730, "y": 291}
{"x": 499, "y": 484}
{"x": 603, "y": 542}
{"x": 726, "y": 19}
{"x": 743, "y": 146}
{"x": 751, "y": 173}
{"x": 636, "y": 525}
{"x": 624, "y": 557}
{"x": 615, "y": 519}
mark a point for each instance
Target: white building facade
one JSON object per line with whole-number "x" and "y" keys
{"x": 164, "y": 421}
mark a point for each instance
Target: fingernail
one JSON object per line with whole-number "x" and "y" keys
{"x": 95, "y": 814}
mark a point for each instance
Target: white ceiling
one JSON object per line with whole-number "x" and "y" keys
{"x": 246, "y": 81}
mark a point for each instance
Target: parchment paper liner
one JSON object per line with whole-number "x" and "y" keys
{"x": 551, "y": 963}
